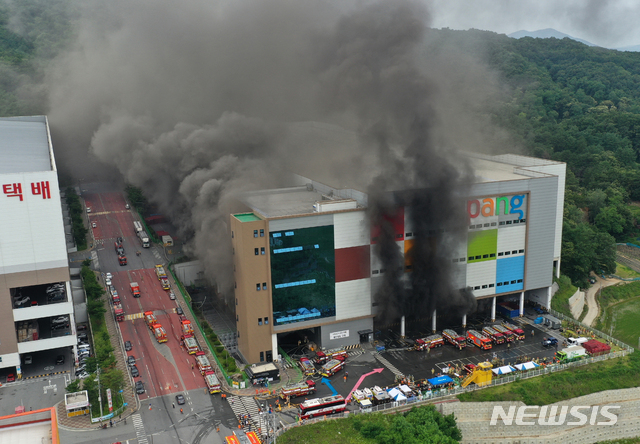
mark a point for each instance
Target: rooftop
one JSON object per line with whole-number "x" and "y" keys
{"x": 24, "y": 146}
{"x": 283, "y": 201}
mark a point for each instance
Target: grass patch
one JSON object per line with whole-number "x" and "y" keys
{"x": 604, "y": 375}
{"x": 625, "y": 272}
{"x": 617, "y": 293}
{"x": 560, "y": 301}
{"x": 620, "y": 320}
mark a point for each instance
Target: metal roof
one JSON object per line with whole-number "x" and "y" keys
{"x": 24, "y": 145}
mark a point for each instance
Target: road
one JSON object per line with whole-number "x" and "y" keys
{"x": 594, "y": 308}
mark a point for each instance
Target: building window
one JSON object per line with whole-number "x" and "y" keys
{"x": 409, "y": 234}
{"x": 262, "y": 250}
{"x": 486, "y": 225}
{"x": 476, "y": 288}
{"x": 255, "y": 250}
{"x": 493, "y": 224}
{"x": 255, "y": 233}
{"x": 238, "y": 333}
{"x": 233, "y": 250}
{"x": 490, "y": 285}
{"x": 484, "y": 286}
{"x": 375, "y": 272}
{"x": 478, "y": 257}
{"x": 259, "y": 321}
{"x": 261, "y": 356}
{"x": 261, "y": 233}
{"x": 236, "y": 301}
{"x": 500, "y": 254}
{"x": 522, "y": 221}
{"x": 509, "y": 222}
{"x": 506, "y": 283}
{"x": 485, "y": 256}
{"x": 507, "y": 253}
{"x": 462, "y": 259}
{"x": 502, "y": 223}
{"x": 235, "y": 285}
{"x": 520, "y": 251}
{"x": 470, "y": 258}
{"x": 237, "y": 318}
{"x": 499, "y": 284}
{"x": 471, "y": 227}
{"x": 519, "y": 281}
{"x": 232, "y": 235}
{"x": 492, "y": 255}
{"x": 266, "y": 321}
{"x": 513, "y": 282}
{"x": 514, "y": 252}
{"x": 258, "y": 286}
{"x": 264, "y": 286}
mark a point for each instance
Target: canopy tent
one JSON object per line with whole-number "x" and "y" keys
{"x": 527, "y": 366}
{"x": 397, "y": 395}
{"x": 404, "y": 389}
{"x": 440, "y": 380}
{"x": 503, "y": 370}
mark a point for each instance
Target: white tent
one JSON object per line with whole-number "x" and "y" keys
{"x": 404, "y": 389}
{"x": 503, "y": 370}
{"x": 527, "y": 365}
{"x": 397, "y": 395}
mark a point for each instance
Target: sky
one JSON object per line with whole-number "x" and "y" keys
{"x": 611, "y": 24}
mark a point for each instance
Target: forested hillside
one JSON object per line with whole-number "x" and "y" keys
{"x": 565, "y": 101}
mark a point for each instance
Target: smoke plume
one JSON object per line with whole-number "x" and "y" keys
{"x": 197, "y": 101}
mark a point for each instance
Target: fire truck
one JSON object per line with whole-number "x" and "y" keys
{"x": 160, "y": 272}
{"x": 135, "y": 289}
{"x": 187, "y": 329}
{"x": 495, "y": 336}
{"x": 432, "y": 341}
{"x": 150, "y": 319}
{"x": 190, "y": 344}
{"x": 115, "y": 298}
{"x": 516, "y": 331}
{"x": 301, "y": 389}
{"x": 119, "y": 312}
{"x": 321, "y": 407}
{"x": 508, "y": 334}
{"x": 307, "y": 366}
{"x": 202, "y": 362}
{"x": 478, "y": 339}
{"x": 119, "y": 248}
{"x": 165, "y": 284}
{"x": 454, "y": 339}
{"x": 324, "y": 357}
{"x": 122, "y": 259}
{"x": 212, "y": 382}
{"x": 160, "y": 333}
{"x": 332, "y": 367}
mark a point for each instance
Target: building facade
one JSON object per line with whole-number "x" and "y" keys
{"x": 304, "y": 256}
{"x": 33, "y": 252}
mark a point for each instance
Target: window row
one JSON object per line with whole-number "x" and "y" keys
{"x": 266, "y": 321}
{"x": 491, "y": 255}
{"x": 255, "y": 233}
{"x": 261, "y": 250}
{"x": 495, "y": 224}
{"x": 499, "y": 284}
{"x": 264, "y": 286}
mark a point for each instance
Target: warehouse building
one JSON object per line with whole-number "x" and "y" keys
{"x": 304, "y": 259}
{"x": 33, "y": 252}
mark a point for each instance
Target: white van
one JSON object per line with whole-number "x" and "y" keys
{"x": 577, "y": 341}
{"x": 84, "y": 347}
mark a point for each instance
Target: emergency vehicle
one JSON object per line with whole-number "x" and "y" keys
{"x": 165, "y": 284}
{"x": 119, "y": 312}
{"x": 203, "y": 362}
{"x": 326, "y": 356}
{"x": 454, "y": 338}
{"x": 160, "y": 272}
{"x": 190, "y": 344}
{"x": 478, "y": 339}
{"x": 517, "y": 331}
{"x": 213, "y": 384}
{"x": 495, "y": 336}
{"x": 321, "y": 406}
{"x": 135, "y": 289}
{"x": 115, "y": 298}
{"x": 307, "y": 366}
{"x": 187, "y": 329}
{"x": 301, "y": 389}
{"x": 150, "y": 319}
{"x": 508, "y": 334}
{"x": 432, "y": 341}
{"x": 332, "y": 367}
{"x": 160, "y": 333}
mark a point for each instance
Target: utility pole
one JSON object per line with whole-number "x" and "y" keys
{"x": 99, "y": 392}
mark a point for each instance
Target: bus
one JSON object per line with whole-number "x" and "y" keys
{"x": 328, "y": 402}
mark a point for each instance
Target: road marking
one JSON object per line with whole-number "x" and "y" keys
{"x": 355, "y": 387}
{"x": 139, "y": 428}
{"x": 389, "y": 365}
{"x": 244, "y": 405}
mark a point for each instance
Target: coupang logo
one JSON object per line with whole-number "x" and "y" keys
{"x": 495, "y": 206}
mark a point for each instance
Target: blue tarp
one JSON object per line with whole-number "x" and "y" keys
{"x": 440, "y": 380}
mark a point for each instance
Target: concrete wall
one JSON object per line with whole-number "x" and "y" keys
{"x": 189, "y": 272}
{"x": 474, "y": 419}
{"x": 350, "y": 328}
{"x": 576, "y": 303}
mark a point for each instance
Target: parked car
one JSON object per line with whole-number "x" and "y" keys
{"x": 81, "y": 327}
{"x": 60, "y": 320}
{"x": 134, "y": 371}
{"x": 549, "y": 342}
{"x": 21, "y": 301}
{"x": 59, "y": 326}
{"x": 94, "y": 225}
{"x": 88, "y": 209}
{"x": 60, "y": 359}
{"x": 127, "y": 206}
{"x": 179, "y": 310}
{"x": 81, "y": 369}
{"x": 127, "y": 345}
{"x": 82, "y": 336}
{"x": 28, "y": 360}
{"x": 172, "y": 295}
{"x": 82, "y": 375}
{"x": 107, "y": 282}
{"x": 180, "y": 399}
{"x": 56, "y": 297}
{"x": 131, "y": 360}
{"x": 139, "y": 387}
{"x": 592, "y": 281}
{"x": 54, "y": 288}
{"x": 108, "y": 276}
{"x": 11, "y": 377}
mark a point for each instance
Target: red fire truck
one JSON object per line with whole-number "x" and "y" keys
{"x": 516, "y": 330}
{"x": 508, "y": 334}
{"x": 202, "y": 362}
{"x": 313, "y": 408}
{"x": 478, "y": 339}
{"x": 187, "y": 329}
{"x": 332, "y": 367}
{"x": 213, "y": 384}
{"x": 119, "y": 312}
{"x": 301, "y": 389}
{"x": 190, "y": 344}
{"x": 432, "y": 341}
{"x": 307, "y": 366}
{"x": 454, "y": 338}
{"x": 324, "y": 357}
{"x": 495, "y": 336}
{"x": 150, "y": 319}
